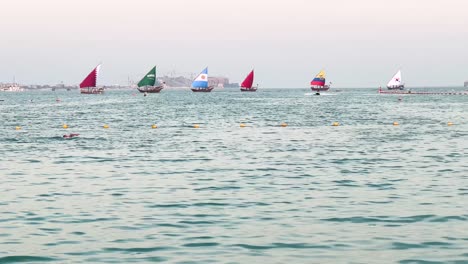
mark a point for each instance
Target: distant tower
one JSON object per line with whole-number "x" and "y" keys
{"x": 466, "y": 84}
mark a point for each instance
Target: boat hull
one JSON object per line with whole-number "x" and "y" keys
{"x": 202, "y": 90}
{"x": 399, "y": 87}
{"x": 150, "y": 89}
{"x": 244, "y": 89}
{"x": 320, "y": 89}
{"x": 91, "y": 90}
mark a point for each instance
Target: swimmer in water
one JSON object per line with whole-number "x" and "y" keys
{"x": 72, "y": 135}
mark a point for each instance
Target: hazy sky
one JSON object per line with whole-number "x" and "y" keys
{"x": 360, "y": 43}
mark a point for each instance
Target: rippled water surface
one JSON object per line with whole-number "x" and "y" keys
{"x": 362, "y": 192}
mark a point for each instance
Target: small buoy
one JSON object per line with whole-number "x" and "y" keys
{"x": 450, "y": 124}
{"x": 65, "y": 126}
{"x": 242, "y": 125}
{"x": 154, "y": 126}
{"x": 395, "y": 123}
{"x": 284, "y": 125}
{"x": 335, "y": 124}
{"x": 18, "y": 128}
{"x": 196, "y": 126}
{"x": 106, "y": 126}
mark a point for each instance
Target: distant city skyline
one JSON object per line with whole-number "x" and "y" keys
{"x": 359, "y": 43}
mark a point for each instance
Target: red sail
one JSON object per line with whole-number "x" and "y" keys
{"x": 247, "y": 83}
{"x": 90, "y": 80}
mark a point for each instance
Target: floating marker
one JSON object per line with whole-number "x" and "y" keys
{"x": 154, "y": 126}
{"x": 335, "y": 124}
{"x": 196, "y": 126}
{"x": 395, "y": 123}
{"x": 242, "y": 125}
{"x": 65, "y": 126}
{"x": 450, "y": 124}
{"x": 18, "y": 128}
{"x": 284, "y": 125}
{"x": 106, "y": 126}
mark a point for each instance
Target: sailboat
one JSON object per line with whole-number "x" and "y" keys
{"x": 147, "y": 84}
{"x": 246, "y": 85}
{"x": 200, "y": 84}
{"x": 12, "y": 87}
{"x": 395, "y": 83}
{"x": 88, "y": 85}
{"x": 318, "y": 83}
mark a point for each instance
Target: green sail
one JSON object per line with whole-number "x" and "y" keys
{"x": 149, "y": 79}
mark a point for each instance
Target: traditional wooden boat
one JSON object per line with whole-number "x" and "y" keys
{"x": 88, "y": 85}
{"x": 200, "y": 84}
{"x": 395, "y": 83}
{"x": 318, "y": 83}
{"x": 148, "y": 83}
{"x": 246, "y": 85}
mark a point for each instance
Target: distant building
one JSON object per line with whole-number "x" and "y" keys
{"x": 221, "y": 82}
{"x": 181, "y": 81}
{"x": 466, "y": 84}
{"x": 218, "y": 81}
{"x": 232, "y": 85}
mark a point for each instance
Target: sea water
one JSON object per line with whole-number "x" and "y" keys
{"x": 366, "y": 191}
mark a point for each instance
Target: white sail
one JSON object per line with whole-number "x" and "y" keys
{"x": 396, "y": 80}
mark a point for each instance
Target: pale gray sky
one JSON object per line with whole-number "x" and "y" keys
{"x": 360, "y": 43}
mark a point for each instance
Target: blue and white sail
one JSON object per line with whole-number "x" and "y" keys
{"x": 202, "y": 80}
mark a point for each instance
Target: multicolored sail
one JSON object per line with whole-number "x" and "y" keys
{"x": 319, "y": 79}
{"x": 247, "y": 83}
{"x": 91, "y": 79}
{"x": 149, "y": 79}
{"x": 202, "y": 80}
